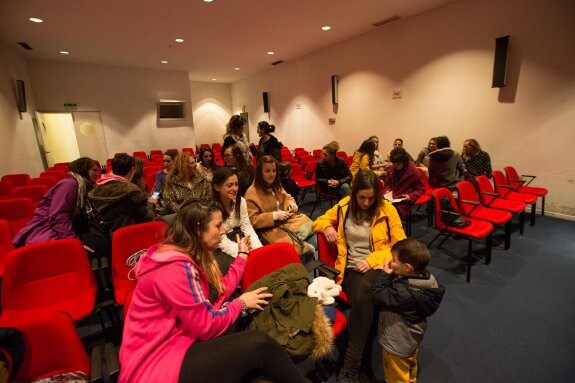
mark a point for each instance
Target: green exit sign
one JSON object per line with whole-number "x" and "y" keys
{"x": 70, "y": 105}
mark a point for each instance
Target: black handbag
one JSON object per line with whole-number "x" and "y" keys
{"x": 450, "y": 217}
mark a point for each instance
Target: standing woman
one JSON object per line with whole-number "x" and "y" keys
{"x": 235, "y": 135}
{"x": 207, "y": 164}
{"x": 268, "y": 145}
{"x": 234, "y": 158}
{"x": 235, "y": 214}
{"x": 181, "y": 308}
{"x": 364, "y": 227}
{"x": 363, "y": 157}
{"x": 62, "y": 212}
{"x": 476, "y": 161}
{"x": 184, "y": 183}
{"x": 274, "y": 212}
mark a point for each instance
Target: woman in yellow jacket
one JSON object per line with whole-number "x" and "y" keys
{"x": 363, "y": 158}
{"x": 365, "y": 227}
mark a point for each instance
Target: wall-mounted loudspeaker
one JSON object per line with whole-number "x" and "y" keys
{"x": 334, "y": 89}
{"x": 500, "y": 62}
{"x": 266, "y": 102}
{"x": 21, "y": 96}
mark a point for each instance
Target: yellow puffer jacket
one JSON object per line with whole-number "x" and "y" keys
{"x": 386, "y": 230}
{"x": 360, "y": 161}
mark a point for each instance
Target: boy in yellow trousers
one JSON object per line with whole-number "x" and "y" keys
{"x": 406, "y": 294}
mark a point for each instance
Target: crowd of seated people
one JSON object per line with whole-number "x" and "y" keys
{"x": 218, "y": 215}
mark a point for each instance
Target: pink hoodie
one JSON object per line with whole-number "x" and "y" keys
{"x": 170, "y": 310}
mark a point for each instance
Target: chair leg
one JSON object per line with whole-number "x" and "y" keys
{"x": 488, "y": 244}
{"x": 469, "y": 249}
{"x": 430, "y": 213}
{"x": 533, "y": 208}
{"x": 521, "y": 222}
{"x": 543, "y": 206}
{"x": 317, "y": 200}
{"x": 508, "y": 235}
{"x": 433, "y": 240}
{"x": 408, "y": 224}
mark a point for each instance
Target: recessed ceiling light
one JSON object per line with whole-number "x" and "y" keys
{"x": 65, "y": 52}
{"x": 36, "y": 20}
{"x": 236, "y": 68}
{"x": 164, "y": 62}
{"x": 208, "y": 1}
{"x": 179, "y": 40}
{"x": 326, "y": 28}
{"x": 271, "y": 53}
{"x": 214, "y": 79}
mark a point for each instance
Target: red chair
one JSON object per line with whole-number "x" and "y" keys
{"x": 424, "y": 199}
{"x": 62, "y": 164}
{"x": 17, "y": 211}
{"x": 272, "y": 257}
{"x": 310, "y": 169}
{"x": 506, "y": 192}
{"x": 520, "y": 185}
{"x": 349, "y": 160}
{"x": 125, "y": 242}
{"x": 489, "y": 198}
{"x": 48, "y": 277}
{"x": 341, "y": 154}
{"x": 5, "y": 188}
{"x": 328, "y": 254}
{"x": 51, "y": 347}
{"x": 6, "y": 237}
{"x": 156, "y": 153}
{"x": 189, "y": 150}
{"x": 34, "y": 192}
{"x": 150, "y": 182}
{"x": 172, "y": 150}
{"x": 151, "y": 169}
{"x": 140, "y": 154}
{"x": 18, "y": 179}
{"x": 298, "y": 176}
{"x": 58, "y": 174}
{"x": 317, "y": 153}
{"x": 46, "y": 181}
{"x": 477, "y": 229}
{"x": 216, "y": 146}
{"x": 298, "y": 152}
{"x": 428, "y": 188}
{"x": 469, "y": 204}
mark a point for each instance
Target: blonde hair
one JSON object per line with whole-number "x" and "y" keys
{"x": 181, "y": 170}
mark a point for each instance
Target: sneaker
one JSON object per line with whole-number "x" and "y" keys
{"x": 348, "y": 376}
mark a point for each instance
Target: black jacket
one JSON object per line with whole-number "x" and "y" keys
{"x": 339, "y": 172}
{"x": 271, "y": 147}
{"x": 445, "y": 168}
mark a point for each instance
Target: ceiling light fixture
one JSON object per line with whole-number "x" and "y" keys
{"x": 271, "y": 53}
{"x": 214, "y": 79}
{"x": 325, "y": 28}
{"x": 179, "y": 40}
{"x": 65, "y": 52}
{"x": 164, "y": 62}
{"x": 36, "y": 20}
{"x": 208, "y": 1}
{"x": 236, "y": 68}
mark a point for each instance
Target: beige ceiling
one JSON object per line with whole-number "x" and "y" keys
{"x": 219, "y": 36}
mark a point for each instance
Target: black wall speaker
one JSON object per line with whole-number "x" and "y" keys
{"x": 21, "y": 96}
{"x": 334, "y": 89}
{"x": 500, "y": 62}
{"x": 266, "y": 102}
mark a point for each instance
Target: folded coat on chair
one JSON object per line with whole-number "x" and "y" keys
{"x": 293, "y": 319}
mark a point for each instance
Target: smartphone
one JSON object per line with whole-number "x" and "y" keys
{"x": 155, "y": 194}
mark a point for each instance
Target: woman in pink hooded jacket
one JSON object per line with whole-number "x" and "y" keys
{"x": 180, "y": 308}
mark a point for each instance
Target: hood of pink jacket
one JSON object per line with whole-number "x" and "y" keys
{"x": 152, "y": 259}
{"x": 110, "y": 177}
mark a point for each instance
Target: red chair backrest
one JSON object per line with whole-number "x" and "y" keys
{"x": 150, "y": 182}
{"x": 172, "y": 150}
{"x": 327, "y": 252}
{"x": 140, "y": 154}
{"x": 424, "y": 179}
{"x": 466, "y": 191}
{"x": 151, "y": 169}
{"x": 17, "y": 211}
{"x": 17, "y": 179}
{"x": 267, "y": 259}
{"x": 46, "y": 181}
{"x": 125, "y": 242}
{"x": 6, "y": 237}
{"x": 500, "y": 180}
{"x": 512, "y": 177}
{"x": 34, "y": 192}
{"x": 189, "y": 150}
{"x": 58, "y": 174}
{"x": 485, "y": 186}
{"x": 341, "y": 154}
{"x": 49, "y": 276}
{"x": 439, "y": 195}
{"x": 5, "y": 187}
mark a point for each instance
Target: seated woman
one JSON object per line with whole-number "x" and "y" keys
{"x": 207, "y": 163}
{"x": 181, "y": 309}
{"x": 235, "y": 214}
{"x": 62, "y": 212}
{"x": 378, "y": 160}
{"x": 161, "y": 175}
{"x": 446, "y": 167}
{"x": 403, "y": 181}
{"x": 332, "y": 174}
{"x": 234, "y": 158}
{"x": 184, "y": 183}
{"x": 364, "y": 227}
{"x": 274, "y": 212}
{"x": 476, "y": 161}
{"x": 363, "y": 157}
{"x": 422, "y": 160}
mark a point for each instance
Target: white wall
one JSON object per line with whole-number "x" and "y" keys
{"x": 212, "y": 109}
{"x": 442, "y": 62}
{"x": 19, "y": 151}
{"x": 126, "y": 98}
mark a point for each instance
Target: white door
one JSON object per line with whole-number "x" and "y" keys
{"x": 89, "y": 133}
{"x": 59, "y": 137}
